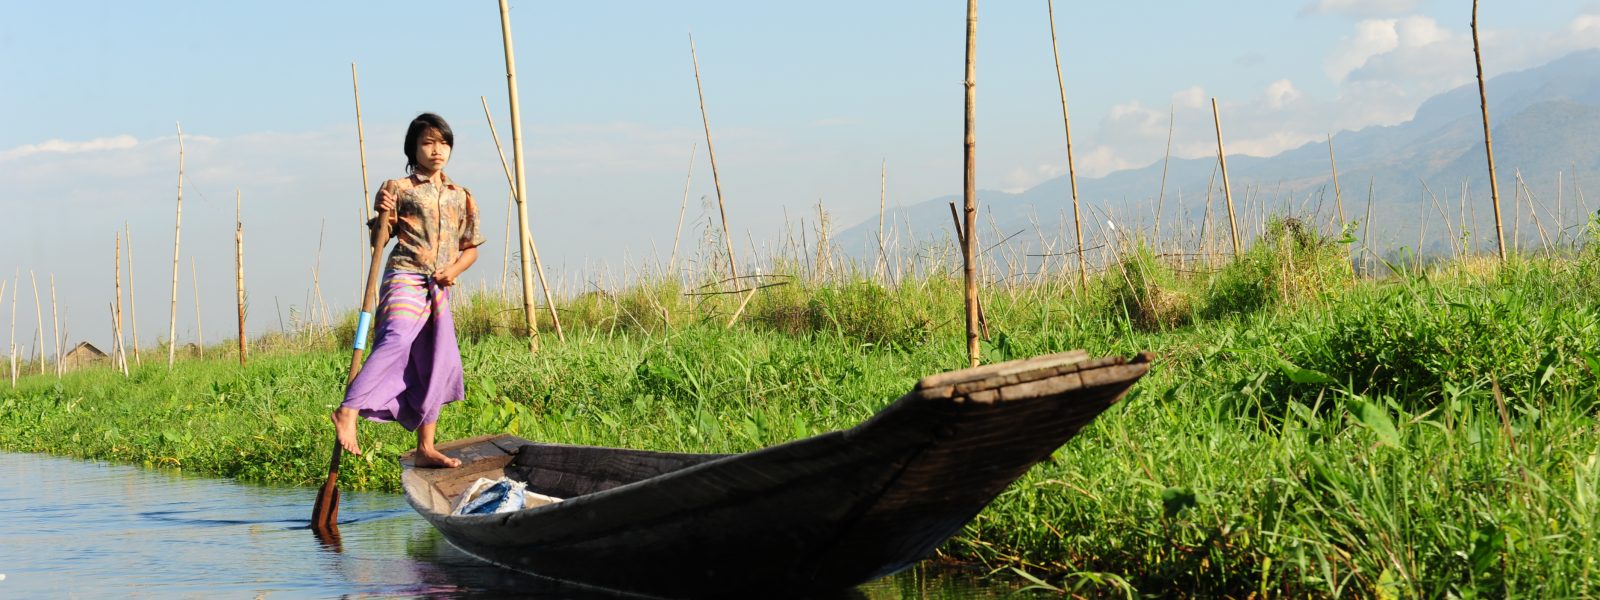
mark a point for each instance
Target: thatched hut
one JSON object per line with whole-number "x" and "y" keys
{"x": 82, "y": 355}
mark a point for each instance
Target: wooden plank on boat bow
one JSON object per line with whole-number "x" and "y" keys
{"x": 946, "y": 385}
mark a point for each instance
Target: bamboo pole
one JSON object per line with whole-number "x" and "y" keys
{"x": 1161, "y": 196}
{"x": 56, "y": 320}
{"x": 361, "y": 146}
{"x": 518, "y": 188}
{"x": 961, "y": 237}
{"x": 1227, "y": 192}
{"x": 882, "y": 266}
{"x": 1516, "y": 219}
{"x": 1560, "y": 232}
{"x": 118, "y": 351}
{"x": 1366, "y": 222}
{"x": 1444, "y": 217}
{"x": 12, "y": 350}
{"x": 716, "y": 180}
{"x": 15, "y": 278}
{"x": 505, "y": 249}
{"x": 133, "y": 306}
{"x": 1208, "y": 232}
{"x": 1422, "y": 234}
{"x": 1533, "y": 208}
{"x": 526, "y": 244}
{"x": 969, "y": 193}
{"x": 200, "y": 331}
{"x": 177, "y": 235}
{"x": 1488, "y": 141}
{"x": 238, "y": 268}
{"x": 119, "y": 358}
{"x": 316, "y": 280}
{"x": 38, "y": 319}
{"x": 1072, "y": 174}
{"x": 1338, "y": 200}
{"x": 682, "y": 207}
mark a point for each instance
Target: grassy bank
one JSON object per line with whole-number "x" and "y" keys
{"x": 1303, "y": 433}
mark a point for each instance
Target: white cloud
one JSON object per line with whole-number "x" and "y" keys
{"x": 1361, "y": 8}
{"x": 1019, "y": 179}
{"x": 1193, "y": 97}
{"x": 1281, "y": 92}
{"x": 1100, "y": 161}
{"x": 1371, "y": 38}
{"x": 121, "y": 142}
{"x": 1584, "y": 25}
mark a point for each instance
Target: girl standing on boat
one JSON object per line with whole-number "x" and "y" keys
{"x": 415, "y": 365}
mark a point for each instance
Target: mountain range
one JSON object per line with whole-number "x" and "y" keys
{"x": 1546, "y": 120}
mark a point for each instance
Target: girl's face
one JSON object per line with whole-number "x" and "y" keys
{"x": 432, "y": 152}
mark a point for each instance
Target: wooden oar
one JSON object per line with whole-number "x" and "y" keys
{"x": 325, "y": 513}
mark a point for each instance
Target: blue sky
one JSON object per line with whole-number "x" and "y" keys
{"x": 805, "y": 101}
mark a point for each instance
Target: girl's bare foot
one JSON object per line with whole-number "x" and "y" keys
{"x": 427, "y": 454}
{"x": 344, "y": 427}
{"x": 430, "y": 457}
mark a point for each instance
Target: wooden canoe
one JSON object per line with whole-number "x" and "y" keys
{"x": 824, "y": 513}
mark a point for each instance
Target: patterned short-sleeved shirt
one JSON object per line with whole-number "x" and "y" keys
{"x": 436, "y": 222}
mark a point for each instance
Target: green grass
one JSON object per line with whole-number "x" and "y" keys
{"x": 1303, "y": 433}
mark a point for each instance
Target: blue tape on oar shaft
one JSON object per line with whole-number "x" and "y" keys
{"x": 363, "y": 323}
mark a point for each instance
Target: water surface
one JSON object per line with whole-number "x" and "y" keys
{"x": 78, "y": 529}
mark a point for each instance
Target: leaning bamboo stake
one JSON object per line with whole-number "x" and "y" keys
{"x": 38, "y": 319}
{"x": 969, "y": 193}
{"x": 361, "y": 146}
{"x": 683, "y": 206}
{"x": 56, "y": 320}
{"x": 722, "y": 207}
{"x": 716, "y": 181}
{"x": 177, "y": 234}
{"x": 526, "y": 244}
{"x": 961, "y": 237}
{"x": 1227, "y": 192}
{"x": 238, "y": 269}
{"x": 1533, "y": 209}
{"x": 1072, "y": 174}
{"x": 133, "y": 306}
{"x": 527, "y": 236}
{"x": 1488, "y": 142}
{"x": 200, "y": 331}
{"x": 1161, "y": 196}
{"x": 116, "y": 340}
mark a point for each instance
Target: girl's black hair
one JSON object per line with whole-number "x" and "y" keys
{"x": 421, "y": 125}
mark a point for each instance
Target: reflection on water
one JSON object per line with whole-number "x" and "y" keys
{"x": 81, "y": 529}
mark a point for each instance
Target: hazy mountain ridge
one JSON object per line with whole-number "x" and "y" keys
{"x": 1545, "y": 120}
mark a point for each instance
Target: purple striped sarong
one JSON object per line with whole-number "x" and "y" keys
{"x": 415, "y": 365}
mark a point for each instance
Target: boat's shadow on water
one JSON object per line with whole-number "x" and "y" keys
{"x": 444, "y": 571}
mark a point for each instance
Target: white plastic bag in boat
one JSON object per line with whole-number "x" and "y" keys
{"x": 490, "y": 496}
